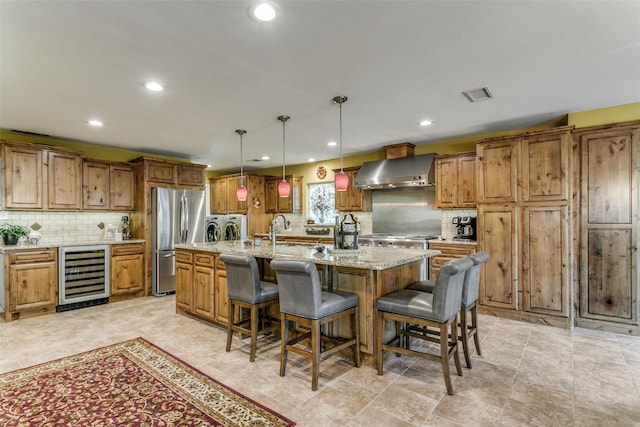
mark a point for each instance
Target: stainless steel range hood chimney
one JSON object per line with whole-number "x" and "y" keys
{"x": 414, "y": 171}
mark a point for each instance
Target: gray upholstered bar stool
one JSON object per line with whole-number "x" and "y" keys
{"x": 304, "y": 303}
{"x": 469, "y": 304}
{"x": 436, "y": 310}
{"x": 246, "y": 290}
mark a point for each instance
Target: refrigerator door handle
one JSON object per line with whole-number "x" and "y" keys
{"x": 169, "y": 256}
{"x": 184, "y": 219}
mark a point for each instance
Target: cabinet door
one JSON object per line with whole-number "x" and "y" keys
{"x": 271, "y": 195}
{"x": 190, "y": 175}
{"x": 23, "y": 178}
{"x": 32, "y": 286}
{"x": 203, "y": 279}
{"x": 448, "y": 252}
{"x": 610, "y": 212}
{"x": 497, "y": 171}
{"x": 218, "y": 199}
{"x": 95, "y": 186}
{"x": 497, "y": 236}
{"x": 235, "y": 206}
{"x": 545, "y": 167}
{"x": 466, "y": 183}
{"x": 357, "y": 282}
{"x": 545, "y": 260}
{"x": 446, "y": 183}
{"x": 165, "y": 173}
{"x": 184, "y": 286}
{"x": 122, "y": 180}
{"x": 65, "y": 180}
{"x": 221, "y": 298}
{"x": 127, "y": 274}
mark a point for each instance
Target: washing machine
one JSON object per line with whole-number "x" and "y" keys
{"x": 213, "y": 228}
{"x": 234, "y": 227}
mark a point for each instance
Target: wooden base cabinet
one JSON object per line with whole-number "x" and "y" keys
{"x": 30, "y": 283}
{"x": 196, "y": 284}
{"x": 126, "y": 271}
{"x": 448, "y": 252}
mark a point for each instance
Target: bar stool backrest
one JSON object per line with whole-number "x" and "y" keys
{"x": 299, "y": 287}
{"x": 447, "y": 294}
{"x": 472, "y": 279}
{"x": 243, "y": 277}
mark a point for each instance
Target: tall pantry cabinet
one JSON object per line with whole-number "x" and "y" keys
{"x": 524, "y": 213}
{"x": 608, "y": 173}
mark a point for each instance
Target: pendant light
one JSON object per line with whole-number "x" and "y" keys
{"x": 283, "y": 188}
{"x": 341, "y": 179}
{"x": 241, "y": 192}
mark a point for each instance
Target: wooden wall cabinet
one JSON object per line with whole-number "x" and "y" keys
{"x": 455, "y": 181}
{"x": 30, "y": 283}
{"x": 126, "y": 271}
{"x": 172, "y": 173}
{"x": 276, "y": 204}
{"x": 354, "y": 199}
{"x": 448, "y": 252}
{"x": 609, "y": 226}
{"x": 219, "y": 196}
{"x": 223, "y": 198}
{"x": 38, "y": 177}
{"x": 524, "y": 224}
{"x": 108, "y": 186}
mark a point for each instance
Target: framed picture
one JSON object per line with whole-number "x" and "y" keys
{"x": 110, "y": 232}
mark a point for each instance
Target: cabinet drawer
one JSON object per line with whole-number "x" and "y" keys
{"x": 204, "y": 259}
{"x": 457, "y": 251}
{"x": 25, "y": 257}
{"x": 125, "y": 249}
{"x": 186, "y": 257}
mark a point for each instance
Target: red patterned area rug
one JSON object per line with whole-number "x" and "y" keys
{"x": 133, "y": 383}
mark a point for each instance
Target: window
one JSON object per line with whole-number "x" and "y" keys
{"x": 321, "y": 202}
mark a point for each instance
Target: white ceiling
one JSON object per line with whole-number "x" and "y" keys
{"x": 64, "y": 62}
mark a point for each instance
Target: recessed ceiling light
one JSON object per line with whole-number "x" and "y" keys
{"x": 264, "y": 158}
{"x": 332, "y": 143}
{"x": 311, "y": 159}
{"x": 154, "y": 86}
{"x": 96, "y": 123}
{"x": 263, "y": 11}
{"x": 425, "y": 122}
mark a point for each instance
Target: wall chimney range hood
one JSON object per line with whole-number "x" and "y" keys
{"x": 415, "y": 171}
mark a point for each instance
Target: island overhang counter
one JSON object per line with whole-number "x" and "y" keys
{"x": 369, "y": 272}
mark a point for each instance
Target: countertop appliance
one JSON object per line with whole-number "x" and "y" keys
{"x": 465, "y": 227}
{"x": 83, "y": 276}
{"x": 213, "y": 228}
{"x": 234, "y": 227}
{"x": 177, "y": 217}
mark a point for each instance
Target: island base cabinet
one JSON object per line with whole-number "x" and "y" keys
{"x": 31, "y": 285}
{"x": 184, "y": 281}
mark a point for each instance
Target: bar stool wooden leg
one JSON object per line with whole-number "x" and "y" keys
{"x": 464, "y": 334}
{"x": 455, "y": 346}
{"x": 315, "y": 353}
{"x": 230, "y": 324}
{"x": 284, "y": 339}
{"x": 254, "y": 332}
{"x": 474, "y": 325}
{"x": 444, "y": 357}
{"x": 355, "y": 329}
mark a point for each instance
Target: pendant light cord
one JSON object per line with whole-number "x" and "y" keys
{"x": 241, "y": 132}
{"x": 283, "y": 119}
{"x": 339, "y": 100}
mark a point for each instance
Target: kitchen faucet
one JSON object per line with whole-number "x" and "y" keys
{"x": 274, "y": 226}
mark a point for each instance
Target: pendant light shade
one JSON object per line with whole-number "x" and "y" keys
{"x": 284, "y": 189}
{"x": 241, "y": 192}
{"x": 341, "y": 179}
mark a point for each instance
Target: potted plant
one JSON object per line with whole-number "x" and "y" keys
{"x": 11, "y": 233}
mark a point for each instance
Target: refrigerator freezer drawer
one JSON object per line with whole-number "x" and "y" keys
{"x": 165, "y": 281}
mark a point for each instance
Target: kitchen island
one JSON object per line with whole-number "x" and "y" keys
{"x": 369, "y": 272}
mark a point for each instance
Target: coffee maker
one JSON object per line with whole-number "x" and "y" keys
{"x": 465, "y": 227}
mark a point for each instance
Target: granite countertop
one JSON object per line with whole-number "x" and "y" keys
{"x": 368, "y": 258}
{"x": 5, "y": 248}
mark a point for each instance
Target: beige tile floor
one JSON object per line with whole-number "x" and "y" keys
{"x": 527, "y": 375}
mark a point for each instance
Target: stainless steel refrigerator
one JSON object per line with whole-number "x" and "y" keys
{"x": 178, "y": 216}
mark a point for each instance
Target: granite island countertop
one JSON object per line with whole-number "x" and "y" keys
{"x": 368, "y": 258}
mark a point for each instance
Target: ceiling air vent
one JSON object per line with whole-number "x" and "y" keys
{"x": 475, "y": 95}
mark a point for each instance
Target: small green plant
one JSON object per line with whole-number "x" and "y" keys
{"x": 11, "y": 233}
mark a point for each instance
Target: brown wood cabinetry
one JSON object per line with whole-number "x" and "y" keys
{"x": 30, "y": 283}
{"x": 218, "y": 191}
{"x": 108, "y": 186}
{"x": 354, "y": 199}
{"x": 524, "y": 224}
{"x": 39, "y": 177}
{"x": 173, "y": 173}
{"x": 455, "y": 181}
{"x": 223, "y": 198}
{"x": 276, "y": 204}
{"x": 126, "y": 271}
{"x": 609, "y": 226}
{"x": 196, "y": 280}
{"x": 448, "y": 252}
{"x": 221, "y": 298}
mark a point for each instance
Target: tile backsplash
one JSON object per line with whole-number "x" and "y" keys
{"x": 65, "y": 227}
